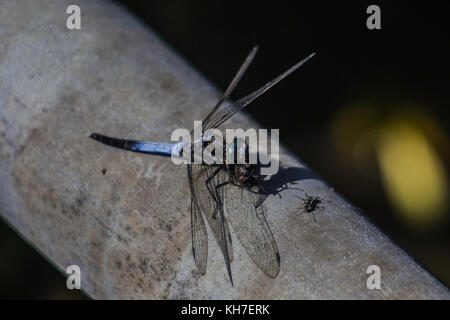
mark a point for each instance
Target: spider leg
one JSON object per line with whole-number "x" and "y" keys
{"x": 301, "y": 210}
{"x": 220, "y": 185}
{"x": 312, "y": 216}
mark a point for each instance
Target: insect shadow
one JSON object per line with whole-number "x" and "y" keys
{"x": 286, "y": 179}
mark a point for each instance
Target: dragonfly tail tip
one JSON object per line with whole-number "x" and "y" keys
{"x": 96, "y": 136}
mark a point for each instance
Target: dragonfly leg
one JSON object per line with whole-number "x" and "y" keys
{"x": 217, "y": 190}
{"x": 213, "y": 192}
{"x": 208, "y": 184}
{"x": 222, "y": 184}
{"x": 262, "y": 194}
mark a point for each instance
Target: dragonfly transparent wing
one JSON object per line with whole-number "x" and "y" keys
{"x": 251, "y": 227}
{"x": 233, "y": 84}
{"x": 220, "y": 116}
{"x": 199, "y": 237}
{"x": 203, "y": 180}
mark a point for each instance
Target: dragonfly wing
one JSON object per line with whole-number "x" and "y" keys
{"x": 203, "y": 180}
{"x": 221, "y": 116}
{"x": 233, "y": 84}
{"x": 199, "y": 237}
{"x": 251, "y": 228}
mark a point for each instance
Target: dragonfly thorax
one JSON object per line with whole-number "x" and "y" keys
{"x": 237, "y": 152}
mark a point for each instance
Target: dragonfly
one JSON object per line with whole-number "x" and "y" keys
{"x": 223, "y": 193}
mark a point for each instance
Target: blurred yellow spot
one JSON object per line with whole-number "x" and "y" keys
{"x": 350, "y": 123}
{"x": 413, "y": 174}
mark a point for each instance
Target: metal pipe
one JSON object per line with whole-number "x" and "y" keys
{"x": 123, "y": 218}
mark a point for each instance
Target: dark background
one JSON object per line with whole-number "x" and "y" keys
{"x": 362, "y": 86}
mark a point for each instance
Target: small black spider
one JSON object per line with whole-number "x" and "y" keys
{"x": 310, "y": 204}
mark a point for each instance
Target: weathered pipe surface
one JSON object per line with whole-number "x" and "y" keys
{"x": 129, "y": 228}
